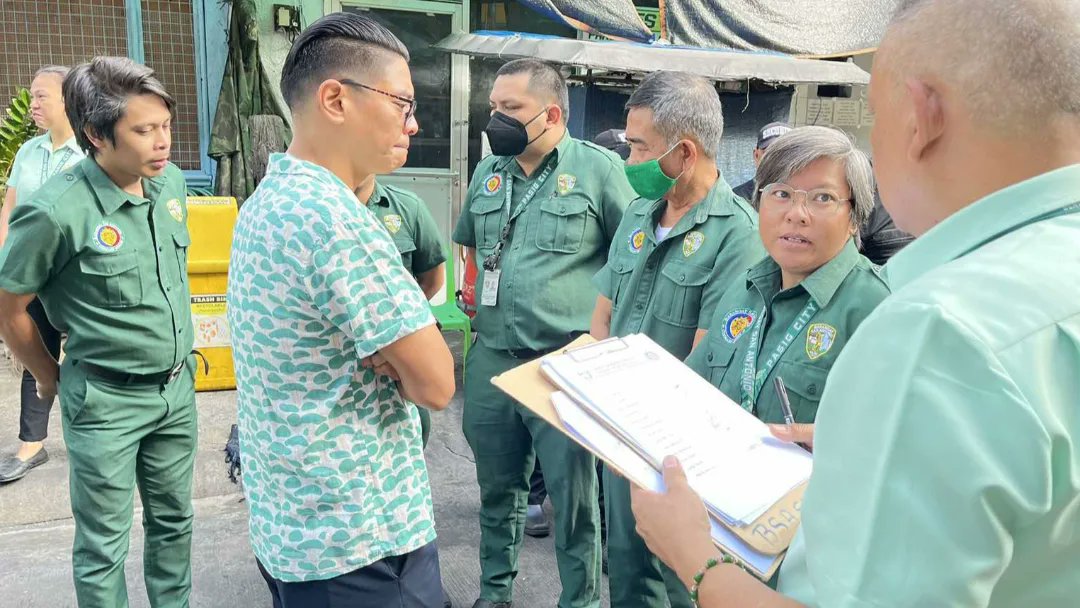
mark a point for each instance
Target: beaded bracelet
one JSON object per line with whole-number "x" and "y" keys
{"x": 711, "y": 563}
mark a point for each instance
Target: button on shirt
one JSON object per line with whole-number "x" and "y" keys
{"x": 333, "y": 464}
{"x": 559, "y": 241}
{"x": 109, "y": 267}
{"x": 669, "y": 289}
{"x": 946, "y": 466}
{"x": 846, "y": 289}
{"x": 36, "y": 162}
{"x": 410, "y": 225}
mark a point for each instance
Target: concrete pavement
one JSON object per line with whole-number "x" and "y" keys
{"x": 36, "y": 529}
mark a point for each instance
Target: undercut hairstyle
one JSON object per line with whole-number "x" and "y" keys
{"x": 96, "y": 95}
{"x": 684, "y": 106}
{"x": 1013, "y": 62}
{"x": 56, "y": 70}
{"x": 546, "y": 82}
{"x": 333, "y": 46}
{"x": 799, "y": 148}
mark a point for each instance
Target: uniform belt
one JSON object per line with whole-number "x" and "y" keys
{"x": 125, "y": 378}
{"x": 526, "y": 354}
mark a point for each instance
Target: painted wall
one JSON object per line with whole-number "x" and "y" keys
{"x": 274, "y": 46}
{"x": 850, "y": 115}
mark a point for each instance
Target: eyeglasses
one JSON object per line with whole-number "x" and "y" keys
{"x": 409, "y": 101}
{"x": 820, "y": 201}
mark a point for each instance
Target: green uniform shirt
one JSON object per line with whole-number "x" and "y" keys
{"x": 411, "y": 225}
{"x": 36, "y": 162}
{"x": 668, "y": 290}
{"x": 110, "y": 267}
{"x": 946, "y": 462}
{"x": 846, "y": 289}
{"x": 558, "y": 242}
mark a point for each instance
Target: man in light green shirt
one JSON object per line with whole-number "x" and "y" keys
{"x": 946, "y": 459}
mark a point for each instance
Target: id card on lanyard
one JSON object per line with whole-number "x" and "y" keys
{"x": 490, "y": 293}
{"x": 46, "y": 173}
{"x": 752, "y": 378}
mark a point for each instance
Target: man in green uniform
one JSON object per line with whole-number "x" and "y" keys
{"x": 104, "y": 245}
{"x": 416, "y": 236}
{"x": 679, "y": 246}
{"x": 540, "y": 214}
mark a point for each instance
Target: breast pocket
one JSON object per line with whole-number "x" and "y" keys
{"x": 112, "y": 281}
{"x": 720, "y": 360}
{"x": 562, "y": 224}
{"x": 678, "y": 301}
{"x": 488, "y": 219}
{"x": 805, "y": 384}
{"x": 181, "y": 243}
{"x": 405, "y": 246}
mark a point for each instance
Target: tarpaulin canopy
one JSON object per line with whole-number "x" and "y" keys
{"x": 797, "y": 27}
{"x": 637, "y": 58}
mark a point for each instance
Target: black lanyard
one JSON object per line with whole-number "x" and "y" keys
{"x": 491, "y": 262}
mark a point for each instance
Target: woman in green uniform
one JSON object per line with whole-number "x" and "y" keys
{"x": 790, "y": 315}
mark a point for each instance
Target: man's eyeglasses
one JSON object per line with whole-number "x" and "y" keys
{"x": 820, "y": 201}
{"x": 410, "y": 102}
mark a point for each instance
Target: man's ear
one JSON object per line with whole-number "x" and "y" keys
{"x": 927, "y": 117}
{"x": 554, "y": 115}
{"x": 330, "y": 100}
{"x": 95, "y": 140}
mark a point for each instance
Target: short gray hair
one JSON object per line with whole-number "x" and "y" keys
{"x": 545, "y": 81}
{"x": 57, "y": 70}
{"x": 96, "y": 96}
{"x": 796, "y": 150}
{"x": 683, "y": 106}
{"x": 967, "y": 44}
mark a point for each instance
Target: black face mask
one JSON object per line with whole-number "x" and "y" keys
{"x": 507, "y": 135}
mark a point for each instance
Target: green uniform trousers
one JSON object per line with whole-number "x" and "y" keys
{"x": 119, "y": 437}
{"x": 636, "y": 578}
{"x": 505, "y": 439}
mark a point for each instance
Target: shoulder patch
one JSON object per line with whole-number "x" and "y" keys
{"x": 736, "y": 322}
{"x": 176, "y": 210}
{"x": 692, "y": 243}
{"x": 637, "y": 240}
{"x": 392, "y": 222}
{"x": 108, "y": 238}
{"x": 492, "y": 184}
{"x": 820, "y": 338}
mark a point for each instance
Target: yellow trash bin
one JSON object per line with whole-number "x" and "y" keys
{"x": 210, "y": 221}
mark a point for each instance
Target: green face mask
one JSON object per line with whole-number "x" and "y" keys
{"x": 648, "y": 179}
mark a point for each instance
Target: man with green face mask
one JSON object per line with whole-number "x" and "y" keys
{"x": 679, "y": 246}
{"x": 539, "y": 217}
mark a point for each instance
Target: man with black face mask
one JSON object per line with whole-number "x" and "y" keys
{"x": 539, "y": 217}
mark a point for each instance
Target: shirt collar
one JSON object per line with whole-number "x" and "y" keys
{"x": 560, "y": 151}
{"x": 283, "y": 163}
{"x": 994, "y": 215}
{"x": 109, "y": 195}
{"x": 821, "y": 285}
{"x": 379, "y": 196}
{"x": 71, "y": 144}
{"x": 719, "y": 201}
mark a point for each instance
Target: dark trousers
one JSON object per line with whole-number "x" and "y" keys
{"x": 401, "y": 581}
{"x": 537, "y": 493}
{"x": 34, "y": 412}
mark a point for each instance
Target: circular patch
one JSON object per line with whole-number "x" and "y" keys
{"x": 637, "y": 240}
{"x": 493, "y": 183}
{"x": 108, "y": 237}
{"x": 736, "y": 322}
{"x": 176, "y": 210}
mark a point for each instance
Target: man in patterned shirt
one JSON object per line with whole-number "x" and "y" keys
{"x": 332, "y": 338}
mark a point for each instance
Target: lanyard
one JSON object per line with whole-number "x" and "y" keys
{"x": 492, "y": 261}
{"x": 45, "y": 173}
{"x": 753, "y": 380}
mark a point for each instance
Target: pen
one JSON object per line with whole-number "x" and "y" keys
{"x": 785, "y": 404}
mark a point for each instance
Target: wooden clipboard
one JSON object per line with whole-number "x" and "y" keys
{"x": 770, "y": 534}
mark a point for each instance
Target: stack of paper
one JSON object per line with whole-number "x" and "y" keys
{"x": 633, "y": 403}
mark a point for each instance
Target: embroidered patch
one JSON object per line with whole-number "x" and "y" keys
{"x": 820, "y": 337}
{"x": 393, "y": 223}
{"x": 637, "y": 240}
{"x": 176, "y": 210}
{"x": 108, "y": 237}
{"x": 736, "y": 322}
{"x": 493, "y": 183}
{"x": 692, "y": 243}
{"x": 566, "y": 183}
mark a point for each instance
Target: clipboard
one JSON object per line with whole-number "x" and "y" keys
{"x": 770, "y": 534}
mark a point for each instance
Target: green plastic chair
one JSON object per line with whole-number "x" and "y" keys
{"x": 450, "y": 317}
